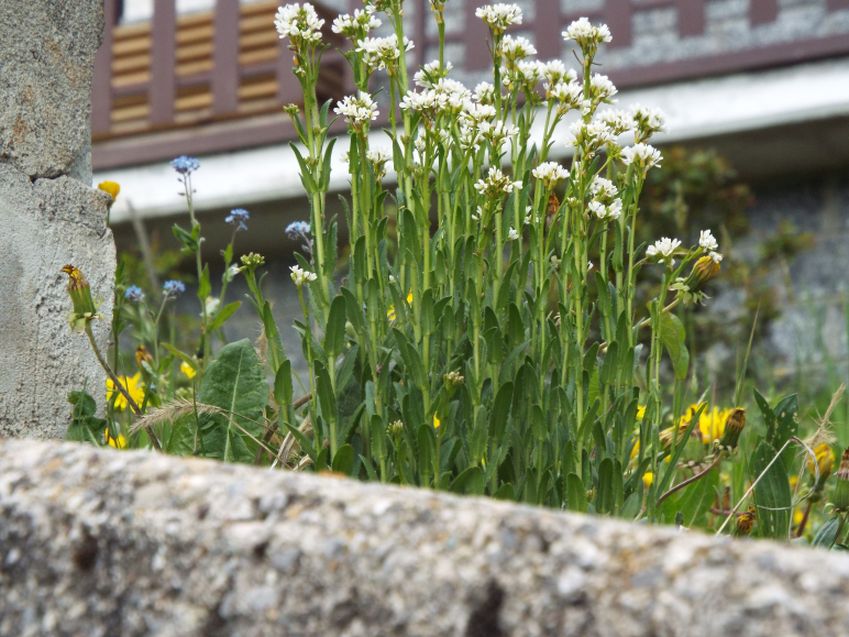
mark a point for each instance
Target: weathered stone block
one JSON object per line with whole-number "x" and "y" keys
{"x": 47, "y": 224}
{"x": 48, "y": 49}
{"x": 99, "y": 542}
{"x": 49, "y": 214}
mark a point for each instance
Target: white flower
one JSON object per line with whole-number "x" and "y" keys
{"x": 499, "y": 16}
{"x": 707, "y": 241}
{"x": 378, "y": 53}
{"x": 516, "y": 48}
{"x": 642, "y": 156}
{"x": 356, "y": 26}
{"x": 550, "y": 173}
{"x": 617, "y": 121}
{"x": 611, "y": 211}
{"x": 663, "y": 249}
{"x": 586, "y": 35}
{"x": 601, "y": 88}
{"x": 603, "y": 189}
{"x": 555, "y": 71}
{"x": 301, "y": 277}
{"x": 647, "y": 121}
{"x": 527, "y": 72}
{"x": 357, "y": 111}
{"x": 431, "y": 73}
{"x": 717, "y": 258}
{"x": 567, "y": 92}
{"x": 211, "y": 305}
{"x": 589, "y": 136}
{"x": 484, "y": 93}
{"x": 496, "y": 184}
{"x": 512, "y": 234}
{"x": 298, "y": 23}
{"x": 429, "y": 101}
{"x": 232, "y": 272}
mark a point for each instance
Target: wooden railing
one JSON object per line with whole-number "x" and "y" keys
{"x": 178, "y": 71}
{"x": 215, "y": 81}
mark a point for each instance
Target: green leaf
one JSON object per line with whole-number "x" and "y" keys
{"x": 334, "y": 336}
{"x": 235, "y": 383}
{"x": 223, "y": 314}
{"x": 576, "y": 495}
{"x": 343, "y": 461}
{"x": 674, "y": 337}
{"x": 469, "y": 481}
{"x": 772, "y": 493}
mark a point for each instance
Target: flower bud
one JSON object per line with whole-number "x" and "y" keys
{"x": 733, "y": 427}
{"x": 80, "y": 293}
{"x": 824, "y": 465}
{"x": 745, "y": 522}
{"x": 705, "y": 268}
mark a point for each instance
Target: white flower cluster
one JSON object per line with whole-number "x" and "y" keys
{"x": 356, "y": 26}
{"x": 550, "y": 173}
{"x": 605, "y": 204}
{"x": 567, "y": 93}
{"x": 496, "y": 184}
{"x": 301, "y": 277}
{"x": 500, "y": 16}
{"x": 484, "y": 93}
{"x": 647, "y": 121}
{"x": 589, "y": 136}
{"x": 358, "y": 110}
{"x": 709, "y": 244}
{"x": 663, "y": 249}
{"x": 641, "y": 156}
{"x": 298, "y": 23}
{"x": 617, "y": 121}
{"x": 586, "y": 35}
{"x": 555, "y": 71}
{"x": 601, "y": 89}
{"x": 603, "y": 189}
{"x": 431, "y": 73}
{"x": 610, "y": 211}
{"x": 378, "y": 53}
{"x": 518, "y": 48}
{"x": 512, "y": 234}
{"x": 446, "y": 96}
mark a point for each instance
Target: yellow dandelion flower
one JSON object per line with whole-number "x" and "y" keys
{"x": 648, "y": 479}
{"x": 825, "y": 460}
{"x": 110, "y": 187}
{"x": 436, "y": 422}
{"x": 641, "y": 412}
{"x": 712, "y": 423}
{"x": 635, "y": 450}
{"x": 187, "y": 370}
{"x": 798, "y": 516}
{"x": 409, "y": 298}
{"x": 117, "y": 443}
{"x": 133, "y": 385}
{"x": 793, "y": 480}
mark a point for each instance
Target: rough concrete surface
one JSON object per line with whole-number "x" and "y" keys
{"x": 48, "y": 214}
{"x": 46, "y": 64}
{"x": 45, "y": 225}
{"x": 100, "y": 542}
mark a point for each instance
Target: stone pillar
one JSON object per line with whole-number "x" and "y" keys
{"x": 49, "y": 214}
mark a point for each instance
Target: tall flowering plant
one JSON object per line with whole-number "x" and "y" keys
{"x": 484, "y": 331}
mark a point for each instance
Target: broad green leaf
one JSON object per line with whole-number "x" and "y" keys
{"x": 674, "y": 337}
{"x": 772, "y": 493}
{"x": 235, "y": 383}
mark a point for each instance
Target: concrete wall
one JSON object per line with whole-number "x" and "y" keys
{"x": 99, "y": 542}
{"x": 49, "y": 215}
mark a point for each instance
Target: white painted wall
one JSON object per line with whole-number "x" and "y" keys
{"x": 695, "y": 109}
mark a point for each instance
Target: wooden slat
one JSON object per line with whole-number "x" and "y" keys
{"x": 225, "y": 79}
{"x": 101, "y": 102}
{"x": 162, "y": 87}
